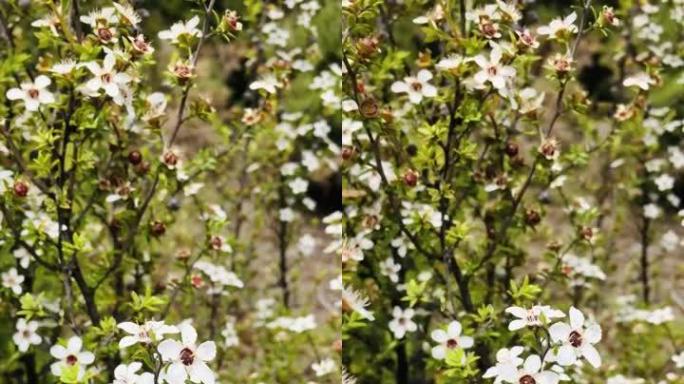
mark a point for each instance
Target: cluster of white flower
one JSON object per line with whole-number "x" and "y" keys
{"x": 219, "y": 276}
{"x": 567, "y": 344}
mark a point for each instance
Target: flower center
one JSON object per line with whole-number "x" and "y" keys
{"x": 416, "y": 86}
{"x": 33, "y": 93}
{"x": 105, "y": 34}
{"x": 71, "y": 360}
{"x": 452, "y": 343}
{"x": 187, "y": 357}
{"x": 575, "y": 339}
{"x": 107, "y": 78}
{"x": 492, "y": 70}
{"x": 527, "y": 379}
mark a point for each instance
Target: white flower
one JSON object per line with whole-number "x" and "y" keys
{"x": 182, "y": 29}
{"x": 652, "y": 211}
{"x": 450, "y": 62}
{"x": 64, "y": 67}
{"x": 355, "y": 301}
{"x": 155, "y": 106}
{"x": 269, "y": 83}
{"x": 620, "y": 379}
{"x": 12, "y": 280}
{"x": 390, "y": 269}
{"x": 416, "y": 87}
{"x": 307, "y": 244}
{"x": 507, "y": 362}
{"x": 530, "y": 100}
{"x": 51, "y": 21}
{"x": 660, "y": 316}
{"x": 229, "y": 334}
{"x": 145, "y": 333}
{"x": 128, "y": 374}
{"x": 492, "y": 71}
{"x": 128, "y": 14}
{"x": 23, "y": 256}
{"x": 678, "y": 360}
{"x": 560, "y": 28}
{"x": 669, "y": 241}
{"x": 101, "y": 17}
{"x": 664, "y": 182}
{"x": 298, "y": 185}
{"x": 26, "y": 335}
{"x": 402, "y": 322}
{"x": 532, "y": 372}
{"x": 533, "y": 317}
{"x": 449, "y": 339}
{"x": 33, "y": 94}
{"x": 286, "y": 214}
{"x": 577, "y": 340}
{"x": 641, "y": 80}
{"x": 70, "y": 356}
{"x": 324, "y": 367}
{"x": 106, "y": 78}
{"x": 188, "y": 360}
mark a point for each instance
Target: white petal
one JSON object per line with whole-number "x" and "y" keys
{"x": 593, "y": 334}
{"x": 176, "y": 374}
{"x": 169, "y": 349}
{"x": 560, "y": 332}
{"x": 86, "y": 358}
{"x": 546, "y": 377}
{"x": 591, "y": 354}
{"x": 58, "y": 352}
{"x": 516, "y": 324}
{"x": 42, "y": 81}
{"x": 129, "y": 327}
{"x": 439, "y": 352}
{"x": 46, "y": 97}
{"x": 200, "y": 373}
{"x": 454, "y": 329}
{"x": 439, "y": 336}
{"x": 127, "y": 341}
{"x": 74, "y": 344}
{"x": 206, "y": 351}
{"x": 424, "y": 75}
{"x": 32, "y": 104}
{"x": 429, "y": 90}
{"x": 465, "y": 342}
{"x": 188, "y": 334}
{"x": 532, "y": 364}
{"x": 15, "y": 94}
{"x": 566, "y": 355}
{"x": 576, "y": 318}
{"x": 399, "y": 87}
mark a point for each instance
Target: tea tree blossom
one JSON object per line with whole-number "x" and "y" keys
{"x": 102, "y": 22}
{"x": 268, "y": 83}
{"x": 146, "y": 333}
{"x": 12, "y": 280}
{"x": 507, "y": 362}
{"x": 560, "y": 29}
{"x": 128, "y": 374}
{"x": 33, "y": 94}
{"x": 390, "y": 269}
{"x": 449, "y": 339}
{"x": 107, "y": 79}
{"x": 492, "y": 70}
{"x": 678, "y": 359}
{"x": 69, "y": 356}
{"x": 402, "y": 322}
{"x": 355, "y": 301}
{"x": 127, "y": 14}
{"x": 26, "y": 335}
{"x": 641, "y": 80}
{"x": 186, "y": 359}
{"x": 324, "y": 367}
{"x": 536, "y": 316}
{"x": 182, "y": 31}
{"x": 577, "y": 340}
{"x": 664, "y": 182}
{"x": 532, "y": 372}
{"x": 416, "y": 87}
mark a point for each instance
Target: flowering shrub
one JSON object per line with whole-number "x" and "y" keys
{"x": 164, "y": 215}
{"x": 511, "y": 192}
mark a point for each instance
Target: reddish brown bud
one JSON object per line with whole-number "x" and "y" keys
{"x": 134, "y": 157}
{"x": 347, "y": 153}
{"x": 532, "y": 217}
{"x": 20, "y": 188}
{"x": 157, "y": 228}
{"x": 411, "y": 178}
{"x": 512, "y": 149}
{"x": 369, "y": 108}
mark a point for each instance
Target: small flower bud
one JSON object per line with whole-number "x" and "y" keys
{"x": 347, "y": 153}
{"x": 158, "y": 228}
{"x": 197, "y": 281}
{"x": 368, "y": 46}
{"x": 170, "y": 158}
{"x": 511, "y": 149}
{"x": 369, "y": 108}
{"x": 532, "y": 217}
{"x": 20, "y": 188}
{"x": 411, "y": 178}
{"x": 135, "y": 157}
